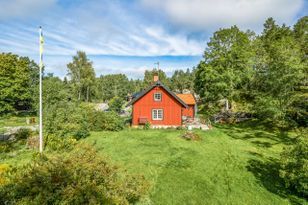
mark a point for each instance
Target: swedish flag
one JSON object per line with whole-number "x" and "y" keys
{"x": 41, "y": 42}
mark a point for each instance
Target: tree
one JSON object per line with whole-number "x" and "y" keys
{"x": 278, "y": 73}
{"x": 18, "y": 83}
{"x": 300, "y": 106}
{"x": 149, "y": 75}
{"x": 115, "y": 104}
{"x": 300, "y": 30}
{"x": 181, "y": 80}
{"x": 82, "y": 75}
{"x": 110, "y": 86}
{"x": 226, "y": 67}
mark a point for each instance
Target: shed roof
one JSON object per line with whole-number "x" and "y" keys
{"x": 189, "y": 99}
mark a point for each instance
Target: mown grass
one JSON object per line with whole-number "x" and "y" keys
{"x": 13, "y": 121}
{"x": 231, "y": 165}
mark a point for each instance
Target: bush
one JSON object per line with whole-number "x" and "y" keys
{"x": 67, "y": 119}
{"x": 115, "y": 104}
{"x": 23, "y": 133}
{"x": 294, "y": 166}
{"x": 147, "y": 126}
{"x": 109, "y": 121}
{"x": 78, "y": 177}
{"x": 3, "y": 169}
{"x": 56, "y": 143}
{"x": 6, "y": 146}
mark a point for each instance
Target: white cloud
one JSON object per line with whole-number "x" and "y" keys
{"x": 209, "y": 14}
{"x": 23, "y": 8}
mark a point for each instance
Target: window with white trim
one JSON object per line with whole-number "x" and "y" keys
{"x": 157, "y": 96}
{"x": 157, "y": 114}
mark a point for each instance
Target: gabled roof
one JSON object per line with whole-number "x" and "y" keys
{"x": 189, "y": 99}
{"x": 157, "y": 83}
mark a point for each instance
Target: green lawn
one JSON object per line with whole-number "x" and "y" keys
{"x": 13, "y": 121}
{"x": 234, "y": 164}
{"x": 231, "y": 165}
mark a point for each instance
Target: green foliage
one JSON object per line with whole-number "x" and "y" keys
{"x": 301, "y": 35}
{"x": 149, "y": 77}
{"x": 147, "y": 125}
{"x": 3, "y": 169}
{"x": 110, "y": 121}
{"x": 82, "y": 76}
{"x": 23, "y": 133}
{"x": 294, "y": 165}
{"x": 78, "y": 177}
{"x": 56, "y": 143}
{"x": 181, "y": 80}
{"x": 55, "y": 91}
{"x": 278, "y": 72}
{"x": 115, "y": 104}
{"x": 226, "y": 67}
{"x": 264, "y": 75}
{"x": 66, "y": 119}
{"x": 18, "y": 83}
{"x": 114, "y": 85}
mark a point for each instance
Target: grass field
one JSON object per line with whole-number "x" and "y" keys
{"x": 231, "y": 165}
{"x": 13, "y": 121}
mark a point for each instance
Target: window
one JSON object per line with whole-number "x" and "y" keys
{"x": 157, "y": 96}
{"x": 157, "y": 114}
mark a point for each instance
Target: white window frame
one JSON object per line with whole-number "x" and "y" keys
{"x": 157, "y": 114}
{"x": 156, "y": 95}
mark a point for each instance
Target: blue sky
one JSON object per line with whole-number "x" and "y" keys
{"x": 129, "y": 36}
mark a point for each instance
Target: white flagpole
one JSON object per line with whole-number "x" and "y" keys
{"x": 41, "y": 106}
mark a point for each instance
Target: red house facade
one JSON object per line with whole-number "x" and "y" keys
{"x": 160, "y": 107}
{"x": 190, "y": 101}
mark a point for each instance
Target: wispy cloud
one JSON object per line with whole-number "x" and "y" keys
{"x": 140, "y": 28}
{"x": 208, "y": 14}
{"x": 20, "y": 8}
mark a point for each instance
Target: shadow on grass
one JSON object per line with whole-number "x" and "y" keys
{"x": 256, "y": 133}
{"x": 267, "y": 174}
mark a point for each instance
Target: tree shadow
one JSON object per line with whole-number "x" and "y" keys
{"x": 257, "y": 134}
{"x": 267, "y": 174}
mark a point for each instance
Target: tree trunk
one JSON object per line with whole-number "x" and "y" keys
{"x": 88, "y": 94}
{"x": 79, "y": 95}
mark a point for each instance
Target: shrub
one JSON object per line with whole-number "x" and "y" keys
{"x": 33, "y": 142}
{"x": 78, "y": 177}
{"x": 23, "y": 133}
{"x": 56, "y": 143}
{"x": 6, "y": 146}
{"x": 67, "y": 119}
{"x": 3, "y": 169}
{"x": 294, "y": 166}
{"x": 147, "y": 125}
{"x": 109, "y": 121}
{"x": 115, "y": 104}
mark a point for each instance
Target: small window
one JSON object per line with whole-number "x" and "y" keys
{"x": 157, "y": 114}
{"x": 157, "y": 96}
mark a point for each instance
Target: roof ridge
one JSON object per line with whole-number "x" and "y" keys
{"x": 157, "y": 83}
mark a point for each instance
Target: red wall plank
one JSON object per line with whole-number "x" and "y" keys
{"x": 171, "y": 107}
{"x": 189, "y": 112}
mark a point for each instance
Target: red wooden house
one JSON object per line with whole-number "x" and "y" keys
{"x": 161, "y": 107}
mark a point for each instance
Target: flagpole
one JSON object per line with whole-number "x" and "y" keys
{"x": 41, "y": 107}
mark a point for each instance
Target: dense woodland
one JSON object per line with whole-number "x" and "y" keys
{"x": 262, "y": 75}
